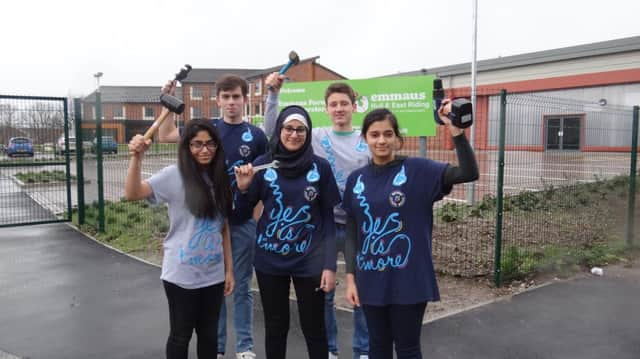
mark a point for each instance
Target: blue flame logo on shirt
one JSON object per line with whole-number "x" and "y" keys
{"x": 288, "y": 230}
{"x": 247, "y": 136}
{"x": 362, "y": 146}
{"x": 204, "y": 248}
{"x": 384, "y": 245}
{"x": 270, "y": 175}
{"x": 400, "y": 178}
{"x": 313, "y": 175}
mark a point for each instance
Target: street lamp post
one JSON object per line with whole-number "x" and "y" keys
{"x": 101, "y": 227}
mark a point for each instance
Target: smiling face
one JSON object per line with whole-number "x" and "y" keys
{"x": 203, "y": 148}
{"x": 340, "y": 110}
{"x": 382, "y": 141}
{"x": 293, "y": 135}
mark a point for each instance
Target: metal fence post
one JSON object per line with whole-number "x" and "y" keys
{"x": 77, "y": 110}
{"x": 99, "y": 161}
{"x": 632, "y": 178}
{"x": 499, "y": 189}
{"x": 67, "y": 166}
{"x": 422, "y": 152}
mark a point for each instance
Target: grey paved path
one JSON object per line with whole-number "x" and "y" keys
{"x": 64, "y": 296}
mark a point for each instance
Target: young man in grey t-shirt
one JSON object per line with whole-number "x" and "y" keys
{"x": 346, "y": 151}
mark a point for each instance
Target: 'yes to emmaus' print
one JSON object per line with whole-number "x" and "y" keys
{"x": 205, "y": 245}
{"x": 290, "y": 229}
{"x": 384, "y": 243}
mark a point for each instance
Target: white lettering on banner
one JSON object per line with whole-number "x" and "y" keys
{"x": 292, "y": 90}
{"x": 399, "y": 96}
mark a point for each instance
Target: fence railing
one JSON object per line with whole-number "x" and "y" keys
{"x": 556, "y": 189}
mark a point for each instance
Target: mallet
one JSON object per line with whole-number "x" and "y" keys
{"x": 294, "y": 59}
{"x": 170, "y": 103}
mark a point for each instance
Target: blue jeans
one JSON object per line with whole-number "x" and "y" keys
{"x": 360, "y": 332}
{"x": 242, "y": 249}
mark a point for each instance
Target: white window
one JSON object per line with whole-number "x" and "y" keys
{"x": 119, "y": 113}
{"x": 215, "y": 111}
{"x": 257, "y": 108}
{"x": 195, "y": 93}
{"x": 258, "y": 87}
{"x": 148, "y": 113}
{"x": 196, "y": 113}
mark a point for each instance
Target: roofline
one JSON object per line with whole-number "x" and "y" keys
{"x": 333, "y": 72}
{"x": 601, "y": 48}
{"x": 259, "y": 73}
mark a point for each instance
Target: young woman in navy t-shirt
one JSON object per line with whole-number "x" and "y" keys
{"x": 390, "y": 218}
{"x": 295, "y": 234}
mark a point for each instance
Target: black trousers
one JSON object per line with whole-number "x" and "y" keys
{"x": 398, "y": 325}
{"x": 191, "y": 309}
{"x": 274, "y": 292}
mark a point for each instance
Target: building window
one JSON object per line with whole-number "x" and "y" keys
{"x": 196, "y": 113}
{"x": 119, "y": 113}
{"x": 93, "y": 112}
{"x": 215, "y": 111}
{"x": 196, "y": 93}
{"x": 213, "y": 92}
{"x": 148, "y": 113}
{"x": 258, "y": 87}
{"x": 257, "y": 109}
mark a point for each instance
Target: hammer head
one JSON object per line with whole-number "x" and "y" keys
{"x": 172, "y": 103}
{"x": 293, "y": 57}
{"x": 183, "y": 72}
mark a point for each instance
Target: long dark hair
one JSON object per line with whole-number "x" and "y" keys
{"x": 204, "y": 198}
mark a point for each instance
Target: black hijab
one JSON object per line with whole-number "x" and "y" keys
{"x": 292, "y": 163}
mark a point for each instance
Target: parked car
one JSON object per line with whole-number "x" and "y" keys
{"x": 109, "y": 145}
{"x": 20, "y": 146}
{"x": 86, "y": 145}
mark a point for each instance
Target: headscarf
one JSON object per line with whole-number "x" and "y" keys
{"x": 292, "y": 163}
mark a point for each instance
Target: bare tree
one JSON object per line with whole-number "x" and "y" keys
{"x": 7, "y": 122}
{"x": 45, "y": 121}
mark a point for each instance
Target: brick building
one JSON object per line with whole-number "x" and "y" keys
{"x": 128, "y": 110}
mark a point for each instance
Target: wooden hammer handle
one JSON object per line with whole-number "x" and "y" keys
{"x": 163, "y": 115}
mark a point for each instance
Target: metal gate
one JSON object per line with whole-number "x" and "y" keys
{"x": 35, "y": 171}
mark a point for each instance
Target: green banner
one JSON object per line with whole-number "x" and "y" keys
{"x": 409, "y": 98}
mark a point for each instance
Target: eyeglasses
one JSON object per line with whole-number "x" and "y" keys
{"x": 199, "y": 145}
{"x": 299, "y": 130}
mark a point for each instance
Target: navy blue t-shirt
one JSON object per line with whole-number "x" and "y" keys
{"x": 296, "y": 232}
{"x": 242, "y": 144}
{"x": 393, "y": 210}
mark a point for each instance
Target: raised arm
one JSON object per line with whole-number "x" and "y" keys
{"x": 467, "y": 169}
{"x": 134, "y": 187}
{"x": 274, "y": 82}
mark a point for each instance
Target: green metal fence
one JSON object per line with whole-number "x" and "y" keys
{"x": 35, "y": 175}
{"x": 554, "y": 192}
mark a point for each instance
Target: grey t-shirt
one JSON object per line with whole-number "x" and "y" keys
{"x": 345, "y": 152}
{"x": 193, "y": 256}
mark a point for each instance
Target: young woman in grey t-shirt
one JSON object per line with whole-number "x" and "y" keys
{"x": 197, "y": 265}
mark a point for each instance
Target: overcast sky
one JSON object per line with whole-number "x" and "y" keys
{"x": 53, "y": 48}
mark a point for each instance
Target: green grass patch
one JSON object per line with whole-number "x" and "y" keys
{"x": 132, "y": 227}
{"x": 54, "y": 176}
{"x": 518, "y": 263}
{"x": 548, "y": 199}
